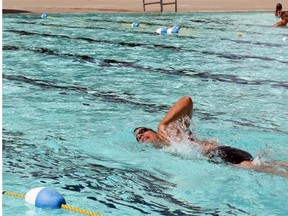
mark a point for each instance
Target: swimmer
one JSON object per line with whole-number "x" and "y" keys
{"x": 278, "y": 10}
{"x": 181, "y": 113}
{"x": 283, "y": 21}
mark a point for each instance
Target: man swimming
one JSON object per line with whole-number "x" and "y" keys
{"x": 175, "y": 126}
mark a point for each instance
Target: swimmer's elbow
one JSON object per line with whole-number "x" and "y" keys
{"x": 188, "y": 100}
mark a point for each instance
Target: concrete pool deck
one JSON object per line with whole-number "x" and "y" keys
{"x": 135, "y": 6}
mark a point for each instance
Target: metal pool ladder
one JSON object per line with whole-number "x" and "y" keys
{"x": 161, "y": 2}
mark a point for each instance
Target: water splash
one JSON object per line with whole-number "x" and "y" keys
{"x": 185, "y": 150}
{"x": 182, "y": 141}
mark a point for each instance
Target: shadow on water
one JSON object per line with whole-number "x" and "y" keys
{"x": 204, "y": 75}
{"x": 127, "y": 98}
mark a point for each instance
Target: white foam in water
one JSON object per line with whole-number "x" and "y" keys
{"x": 180, "y": 143}
{"x": 263, "y": 157}
{"x": 186, "y": 150}
{"x": 258, "y": 161}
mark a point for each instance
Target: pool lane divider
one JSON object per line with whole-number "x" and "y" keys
{"x": 43, "y": 197}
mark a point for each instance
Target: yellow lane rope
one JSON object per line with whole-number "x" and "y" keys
{"x": 14, "y": 194}
{"x": 64, "y": 206}
{"x": 82, "y": 211}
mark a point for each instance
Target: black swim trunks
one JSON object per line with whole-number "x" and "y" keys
{"x": 228, "y": 154}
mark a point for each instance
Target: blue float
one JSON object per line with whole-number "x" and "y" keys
{"x": 135, "y": 25}
{"x": 162, "y": 30}
{"x": 44, "y": 16}
{"x": 173, "y": 30}
{"x": 43, "y": 197}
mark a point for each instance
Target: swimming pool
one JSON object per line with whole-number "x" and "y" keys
{"x": 76, "y": 85}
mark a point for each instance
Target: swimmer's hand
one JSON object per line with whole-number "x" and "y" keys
{"x": 162, "y": 134}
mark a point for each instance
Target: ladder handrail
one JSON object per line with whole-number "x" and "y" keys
{"x": 161, "y": 4}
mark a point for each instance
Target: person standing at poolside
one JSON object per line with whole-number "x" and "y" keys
{"x": 282, "y": 14}
{"x": 175, "y": 127}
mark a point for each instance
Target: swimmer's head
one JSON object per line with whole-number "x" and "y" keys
{"x": 145, "y": 135}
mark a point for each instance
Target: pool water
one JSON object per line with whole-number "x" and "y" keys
{"x": 76, "y": 85}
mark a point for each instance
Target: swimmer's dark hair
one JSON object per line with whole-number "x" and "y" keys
{"x": 145, "y": 128}
{"x": 279, "y": 6}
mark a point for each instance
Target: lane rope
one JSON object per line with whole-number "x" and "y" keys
{"x": 64, "y": 206}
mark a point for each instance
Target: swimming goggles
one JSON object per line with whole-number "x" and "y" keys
{"x": 140, "y": 130}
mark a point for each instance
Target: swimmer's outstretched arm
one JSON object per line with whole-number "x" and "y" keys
{"x": 181, "y": 108}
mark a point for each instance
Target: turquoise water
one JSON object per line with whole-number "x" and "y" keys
{"x": 75, "y": 86}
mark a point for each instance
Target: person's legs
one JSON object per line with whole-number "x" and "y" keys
{"x": 280, "y": 163}
{"x": 275, "y": 167}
